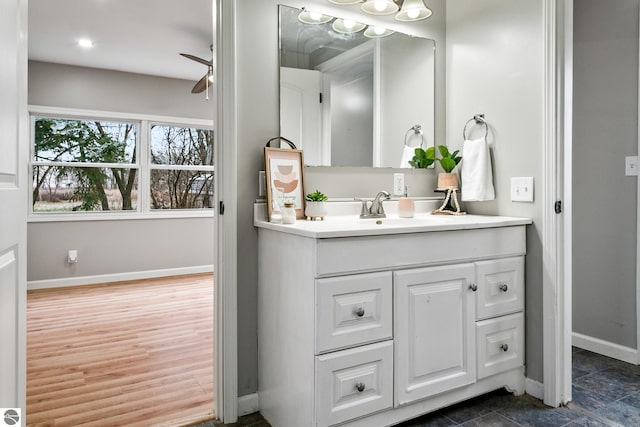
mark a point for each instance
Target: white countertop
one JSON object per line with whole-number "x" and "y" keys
{"x": 352, "y": 225}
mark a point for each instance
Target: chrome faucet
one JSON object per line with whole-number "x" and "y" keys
{"x": 375, "y": 210}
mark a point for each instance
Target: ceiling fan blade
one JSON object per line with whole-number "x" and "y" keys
{"x": 201, "y": 85}
{"x": 200, "y": 60}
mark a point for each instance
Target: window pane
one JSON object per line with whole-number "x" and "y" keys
{"x": 67, "y": 140}
{"x": 73, "y": 189}
{"x": 180, "y": 189}
{"x": 174, "y": 145}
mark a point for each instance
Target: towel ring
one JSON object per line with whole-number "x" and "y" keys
{"x": 417, "y": 130}
{"x": 478, "y": 119}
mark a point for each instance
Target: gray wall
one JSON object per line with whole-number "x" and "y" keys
{"x": 116, "y": 246}
{"x": 494, "y": 66}
{"x": 605, "y": 127}
{"x": 493, "y": 62}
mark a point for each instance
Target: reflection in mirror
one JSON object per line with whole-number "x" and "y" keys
{"x": 351, "y": 100}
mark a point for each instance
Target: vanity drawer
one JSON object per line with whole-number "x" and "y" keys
{"x": 500, "y": 287}
{"x": 353, "y": 310}
{"x": 500, "y": 344}
{"x": 355, "y": 382}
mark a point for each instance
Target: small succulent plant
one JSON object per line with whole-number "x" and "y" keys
{"x": 316, "y": 196}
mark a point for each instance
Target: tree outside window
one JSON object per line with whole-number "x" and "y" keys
{"x": 93, "y": 165}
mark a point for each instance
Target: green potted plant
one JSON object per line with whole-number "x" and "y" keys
{"x": 448, "y": 161}
{"x": 315, "y": 205}
{"x": 423, "y": 158}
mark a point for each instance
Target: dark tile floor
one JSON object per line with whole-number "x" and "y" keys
{"x": 606, "y": 392}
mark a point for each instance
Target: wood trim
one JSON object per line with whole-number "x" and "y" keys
{"x": 226, "y": 227}
{"x": 556, "y": 305}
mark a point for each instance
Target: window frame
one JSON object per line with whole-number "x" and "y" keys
{"x": 143, "y": 164}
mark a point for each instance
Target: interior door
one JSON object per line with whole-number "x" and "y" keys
{"x": 13, "y": 202}
{"x": 300, "y": 113}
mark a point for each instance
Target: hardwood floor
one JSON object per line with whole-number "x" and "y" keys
{"x": 136, "y": 353}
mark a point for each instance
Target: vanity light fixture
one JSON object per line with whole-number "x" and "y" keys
{"x": 345, "y": 2}
{"x": 310, "y": 17}
{"x": 375, "y": 32}
{"x": 346, "y": 26}
{"x": 413, "y": 10}
{"x": 379, "y": 7}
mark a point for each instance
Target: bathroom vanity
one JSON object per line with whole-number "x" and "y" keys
{"x": 369, "y": 323}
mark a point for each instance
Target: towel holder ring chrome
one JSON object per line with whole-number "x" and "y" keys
{"x": 417, "y": 130}
{"x": 478, "y": 119}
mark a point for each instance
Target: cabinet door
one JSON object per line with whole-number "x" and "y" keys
{"x": 434, "y": 333}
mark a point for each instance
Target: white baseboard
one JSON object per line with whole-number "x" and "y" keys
{"x": 248, "y": 404}
{"x": 118, "y": 277}
{"x": 606, "y": 348}
{"x": 534, "y": 388}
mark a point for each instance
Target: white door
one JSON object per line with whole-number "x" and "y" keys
{"x": 13, "y": 201}
{"x": 435, "y": 335}
{"x": 300, "y": 113}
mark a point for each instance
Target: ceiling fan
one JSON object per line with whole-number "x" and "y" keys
{"x": 204, "y": 83}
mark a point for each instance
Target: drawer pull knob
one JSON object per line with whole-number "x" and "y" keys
{"x": 360, "y": 387}
{"x": 504, "y": 287}
{"x": 473, "y": 287}
{"x": 359, "y": 312}
{"x": 504, "y": 347}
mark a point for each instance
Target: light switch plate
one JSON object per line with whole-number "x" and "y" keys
{"x": 631, "y": 166}
{"x": 398, "y": 184}
{"x": 522, "y": 189}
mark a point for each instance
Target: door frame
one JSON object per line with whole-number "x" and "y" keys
{"x": 556, "y": 228}
{"x": 226, "y": 340}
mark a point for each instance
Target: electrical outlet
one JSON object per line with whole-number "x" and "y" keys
{"x": 398, "y": 184}
{"x": 72, "y": 256}
{"x": 631, "y": 166}
{"x": 522, "y": 189}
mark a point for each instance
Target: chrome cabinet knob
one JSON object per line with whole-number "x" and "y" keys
{"x": 504, "y": 287}
{"x": 504, "y": 347}
{"x": 473, "y": 287}
{"x": 359, "y": 311}
{"x": 360, "y": 387}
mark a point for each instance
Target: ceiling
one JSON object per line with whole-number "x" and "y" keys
{"x": 138, "y": 36}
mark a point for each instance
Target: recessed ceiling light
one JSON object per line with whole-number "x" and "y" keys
{"x": 86, "y": 43}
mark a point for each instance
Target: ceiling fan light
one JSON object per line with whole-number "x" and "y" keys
{"x": 379, "y": 7}
{"x": 413, "y": 10}
{"x": 375, "y": 32}
{"x": 346, "y": 26}
{"x": 312, "y": 17}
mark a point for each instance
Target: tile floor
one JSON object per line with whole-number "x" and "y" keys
{"x": 606, "y": 392}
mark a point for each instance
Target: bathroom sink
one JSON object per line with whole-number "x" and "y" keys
{"x": 394, "y": 221}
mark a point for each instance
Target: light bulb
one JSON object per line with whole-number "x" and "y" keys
{"x": 378, "y": 30}
{"x": 380, "y": 5}
{"x": 315, "y": 16}
{"x": 413, "y": 13}
{"x": 348, "y": 24}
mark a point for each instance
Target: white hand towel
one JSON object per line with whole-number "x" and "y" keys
{"x": 407, "y": 154}
{"x": 476, "y": 174}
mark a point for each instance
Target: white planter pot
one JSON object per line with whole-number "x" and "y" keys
{"x": 315, "y": 210}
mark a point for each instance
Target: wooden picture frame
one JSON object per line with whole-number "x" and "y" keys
{"x": 284, "y": 178}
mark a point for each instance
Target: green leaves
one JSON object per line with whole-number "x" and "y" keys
{"x": 448, "y": 161}
{"x": 423, "y": 158}
{"x": 316, "y": 196}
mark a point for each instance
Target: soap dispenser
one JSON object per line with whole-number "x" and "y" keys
{"x": 406, "y": 207}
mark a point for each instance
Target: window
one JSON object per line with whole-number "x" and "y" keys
{"x": 97, "y": 165}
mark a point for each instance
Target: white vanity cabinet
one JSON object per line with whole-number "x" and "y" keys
{"x": 377, "y": 329}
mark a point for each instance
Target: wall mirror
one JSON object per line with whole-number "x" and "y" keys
{"x": 350, "y": 99}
